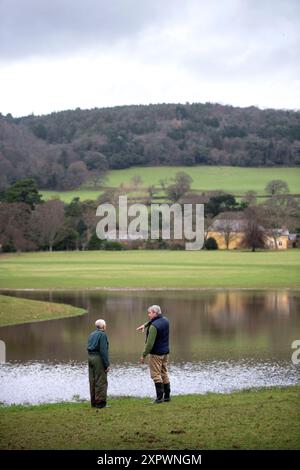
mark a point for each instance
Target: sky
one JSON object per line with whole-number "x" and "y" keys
{"x": 65, "y": 54}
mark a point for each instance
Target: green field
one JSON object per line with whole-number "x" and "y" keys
{"x": 235, "y": 180}
{"x": 256, "y": 419}
{"x": 152, "y": 268}
{"x": 67, "y": 196}
{"x": 14, "y": 310}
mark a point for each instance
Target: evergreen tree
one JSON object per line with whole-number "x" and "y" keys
{"x": 24, "y": 190}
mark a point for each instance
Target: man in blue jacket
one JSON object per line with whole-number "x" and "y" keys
{"x": 157, "y": 345}
{"x": 98, "y": 362}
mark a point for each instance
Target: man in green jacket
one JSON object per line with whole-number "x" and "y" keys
{"x": 98, "y": 361}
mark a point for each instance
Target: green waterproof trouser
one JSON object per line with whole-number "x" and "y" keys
{"x": 98, "y": 379}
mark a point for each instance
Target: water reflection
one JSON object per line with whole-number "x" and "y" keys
{"x": 206, "y": 325}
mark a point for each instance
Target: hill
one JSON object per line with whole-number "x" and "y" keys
{"x": 61, "y": 149}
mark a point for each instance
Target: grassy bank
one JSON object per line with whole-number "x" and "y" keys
{"x": 13, "y": 310}
{"x": 235, "y": 180}
{"x": 151, "y": 269}
{"x": 263, "y": 419}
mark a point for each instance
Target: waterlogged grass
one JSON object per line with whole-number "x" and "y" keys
{"x": 256, "y": 419}
{"x": 151, "y": 269}
{"x": 235, "y": 180}
{"x": 13, "y": 310}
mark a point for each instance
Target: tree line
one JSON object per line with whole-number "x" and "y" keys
{"x": 61, "y": 150}
{"x": 27, "y": 223}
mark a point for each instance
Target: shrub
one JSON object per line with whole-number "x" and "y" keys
{"x": 211, "y": 244}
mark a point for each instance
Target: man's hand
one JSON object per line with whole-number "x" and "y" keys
{"x": 142, "y": 360}
{"x": 107, "y": 370}
{"x": 141, "y": 328}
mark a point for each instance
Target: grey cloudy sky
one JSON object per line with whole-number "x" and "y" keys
{"x": 63, "y": 54}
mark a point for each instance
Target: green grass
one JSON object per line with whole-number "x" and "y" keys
{"x": 235, "y": 180}
{"x": 147, "y": 269}
{"x": 13, "y": 310}
{"x": 256, "y": 419}
{"x": 67, "y": 196}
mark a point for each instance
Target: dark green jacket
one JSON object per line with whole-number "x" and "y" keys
{"x": 98, "y": 344}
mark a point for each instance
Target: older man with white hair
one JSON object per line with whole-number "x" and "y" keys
{"x": 157, "y": 345}
{"x": 98, "y": 361}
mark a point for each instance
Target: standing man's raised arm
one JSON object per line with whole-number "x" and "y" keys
{"x": 142, "y": 327}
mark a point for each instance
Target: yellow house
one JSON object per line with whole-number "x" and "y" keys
{"x": 278, "y": 239}
{"x": 229, "y": 235}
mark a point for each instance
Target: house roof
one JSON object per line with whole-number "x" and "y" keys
{"x": 223, "y": 225}
{"x": 281, "y": 231}
{"x": 238, "y": 224}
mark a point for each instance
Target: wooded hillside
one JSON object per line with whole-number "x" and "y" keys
{"x": 62, "y": 149}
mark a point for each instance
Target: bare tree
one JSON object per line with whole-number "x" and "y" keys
{"x": 136, "y": 181}
{"x": 97, "y": 165}
{"x": 110, "y": 196}
{"x": 90, "y": 220}
{"x": 228, "y": 233}
{"x": 76, "y": 174}
{"x": 277, "y": 187}
{"x": 151, "y": 191}
{"x": 163, "y": 183}
{"x": 15, "y": 226}
{"x": 228, "y": 224}
{"x": 254, "y": 233}
{"x": 47, "y": 220}
{"x": 278, "y": 212}
{"x": 181, "y": 185}
{"x": 98, "y": 178}
{"x": 250, "y": 197}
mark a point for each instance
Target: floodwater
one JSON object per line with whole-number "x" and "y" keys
{"x": 221, "y": 340}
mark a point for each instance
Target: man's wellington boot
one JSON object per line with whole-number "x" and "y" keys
{"x": 159, "y": 392}
{"x": 167, "y": 391}
{"x": 101, "y": 404}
